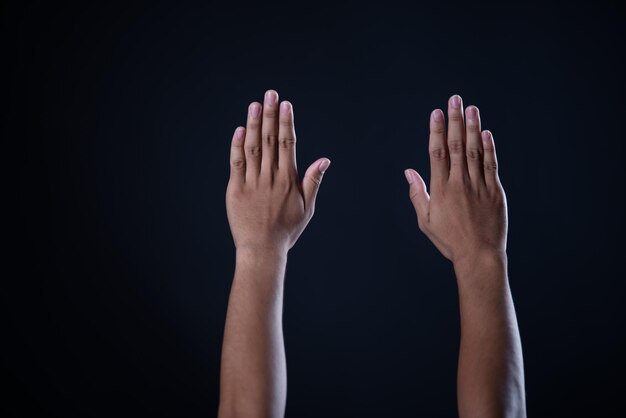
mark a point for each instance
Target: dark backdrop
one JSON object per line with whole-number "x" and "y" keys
{"x": 117, "y": 130}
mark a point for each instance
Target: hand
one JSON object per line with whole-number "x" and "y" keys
{"x": 268, "y": 206}
{"x": 465, "y": 214}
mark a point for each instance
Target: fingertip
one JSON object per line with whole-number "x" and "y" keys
{"x": 437, "y": 116}
{"x": 471, "y": 113}
{"x": 254, "y": 110}
{"x": 271, "y": 97}
{"x": 408, "y": 175}
{"x": 285, "y": 107}
{"x": 455, "y": 102}
{"x": 417, "y": 192}
{"x": 238, "y": 136}
{"x": 487, "y": 137}
{"x": 420, "y": 180}
{"x": 413, "y": 176}
{"x": 312, "y": 181}
{"x": 437, "y": 125}
{"x": 323, "y": 165}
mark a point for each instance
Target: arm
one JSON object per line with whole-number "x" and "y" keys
{"x": 268, "y": 208}
{"x": 465, "y": 217}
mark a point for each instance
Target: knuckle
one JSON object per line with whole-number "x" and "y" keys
{"x": 473, "y": 154}
{"x": 316, "y": 180}
{"x": 280, "y": 179}
{"x": 491, "y": 166}
{"x": 458, "y": 185}
{"x": 270, "y": 112}
{"x": 254, "y": 123}
{"x": 285, "y": 184}
{"x": 286, "y": 141}
{"x": 423, "y": 225}
{"x": 455, "y": 117}
{"x": 234, "y": 191}
{"x": 496, "y": 196}
{"x": 455, "y": 146}
{"x": 438, "y": 153}
{"x": 253, "y": 150}
{"x": 309, "y": 212}
{"x": 438, "y": 128}
{"x": 238, "y": 163}
{"x": 269, "y": 138}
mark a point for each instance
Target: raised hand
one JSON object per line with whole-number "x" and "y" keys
{"x": 465, "y": 213}
{"x": 268, "y": 206}
{"x": 465, "y": 217}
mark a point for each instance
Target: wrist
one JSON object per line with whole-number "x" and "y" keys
{"x": 259, "y": 254}
{"x": 482, "y": 279}
{"x": 480, "y": 263}
{"x": 479, "y": 257}
{"x": 260, "y": 266}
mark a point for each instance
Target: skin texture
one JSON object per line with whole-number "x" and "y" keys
{"x": 268, "y": 207}
{"x": 465, "y": 217}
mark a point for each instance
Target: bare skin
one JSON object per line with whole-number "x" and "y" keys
{"x": 268, "y": 207}
{"x": 465, "y": 217}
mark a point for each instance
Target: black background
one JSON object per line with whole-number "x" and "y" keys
{"x": 118, "y": 123}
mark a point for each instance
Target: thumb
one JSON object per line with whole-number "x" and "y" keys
{"x": 418, "y": 194}
{"x": 312, "y": 180}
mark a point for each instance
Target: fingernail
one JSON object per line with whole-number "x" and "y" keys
{"x": 437, "y": 115}
{"x": 472, "y": 113}
{"x": 485, "y": 135}
{"x": 324, "y": 165}
{"x": 271, "y": 97}
{"x": 407, "y": 174}
{"x": 238, "y": 136}
{"x": 254, "y": 110}
{"x": 455, "y": 101}
{"x": 284, "y": 107}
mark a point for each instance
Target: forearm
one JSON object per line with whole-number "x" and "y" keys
{"x": 253, "y": 375}
{"x": 490, "y": 374}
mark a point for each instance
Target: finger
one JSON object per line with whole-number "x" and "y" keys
{"x": 456, "y": 138}
{"x": 238, "y": 157}
{"x": 474, "y": 146}
{"x": 269, "y": 134}
{"x": 418, "y": 195}
{"x": 438, "y": 150}
{"x": 252, "y": 144}
{"x": 312, "y": 180}
{"x": 287, "y": 141}
{"x": 490, "y": 161}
